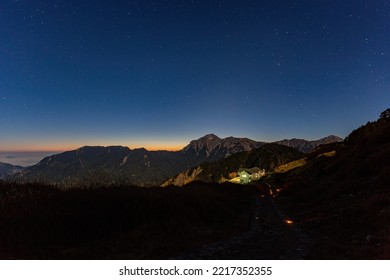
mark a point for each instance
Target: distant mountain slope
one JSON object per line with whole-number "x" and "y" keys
{"x": 104, "y": 165}
{"x": 9, "y": 170}
{"x": 266, "y": 157}
{"x": 307, "y": 146}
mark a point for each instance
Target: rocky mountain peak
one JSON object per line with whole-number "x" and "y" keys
{"x": 207, "y": 143}
{"x": 210, "y": 147}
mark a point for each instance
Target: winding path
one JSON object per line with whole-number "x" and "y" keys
{"x": 268, "y": 237}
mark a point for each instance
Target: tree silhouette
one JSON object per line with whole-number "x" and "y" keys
{"x": 385, "y": 115}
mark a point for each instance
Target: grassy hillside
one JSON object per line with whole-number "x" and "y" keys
{"x": 123, "y": 222}
{"x": 341, "y": 196}
{"x": 268, "y": 157}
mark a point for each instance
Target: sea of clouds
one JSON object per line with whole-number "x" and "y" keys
{"x": 24, "y": 158}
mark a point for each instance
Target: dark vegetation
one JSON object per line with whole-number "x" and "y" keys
{"x": 122, "y": 222}
{"x": 343, "y": 202}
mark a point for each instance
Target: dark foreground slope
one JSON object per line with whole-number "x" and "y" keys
{"x": 39, "y": 222}
{"x": 343, "y": 201}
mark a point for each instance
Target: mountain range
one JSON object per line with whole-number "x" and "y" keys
{"x": 308, "y": 146}
{"x": 120, "y": 165}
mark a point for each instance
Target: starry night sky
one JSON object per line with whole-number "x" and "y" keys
{"x": 158, "y": 74}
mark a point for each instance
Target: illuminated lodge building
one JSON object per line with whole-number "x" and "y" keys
{"x": 248, "y": 175}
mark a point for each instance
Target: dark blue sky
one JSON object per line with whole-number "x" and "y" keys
{"x": 160, "y": 73}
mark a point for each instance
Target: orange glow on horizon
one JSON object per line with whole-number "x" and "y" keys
{"x": 163, "y": 148}
{"x": 63, "y": 148}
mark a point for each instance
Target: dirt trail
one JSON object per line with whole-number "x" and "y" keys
{"x": 268, "y": 237}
